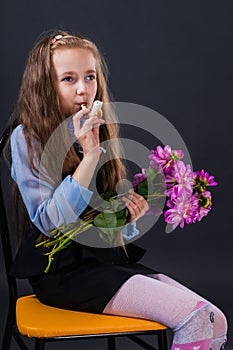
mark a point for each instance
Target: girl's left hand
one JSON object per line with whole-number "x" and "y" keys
{"x": 136, "y": 205}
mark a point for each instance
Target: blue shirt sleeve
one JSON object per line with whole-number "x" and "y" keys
{"x": 48, "y": 206}
{"x": 130, "y": 231}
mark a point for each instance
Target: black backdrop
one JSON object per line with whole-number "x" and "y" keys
{"x": 176, "y": 58}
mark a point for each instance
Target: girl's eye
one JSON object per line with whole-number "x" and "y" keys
{"x": 91, "y": 77}
{"x": 68, "y": 79}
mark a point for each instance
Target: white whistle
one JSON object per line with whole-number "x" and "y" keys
{"x": 96, "y": 110}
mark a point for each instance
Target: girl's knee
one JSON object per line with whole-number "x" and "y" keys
{"x": 220, "y": 323}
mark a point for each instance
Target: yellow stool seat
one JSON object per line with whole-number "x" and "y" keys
{"x": 35, "y": 319}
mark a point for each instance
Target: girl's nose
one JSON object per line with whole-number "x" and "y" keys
{"x": 81, "y": 88}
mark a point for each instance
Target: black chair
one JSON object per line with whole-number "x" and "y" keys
{"x": 27, "y": 317}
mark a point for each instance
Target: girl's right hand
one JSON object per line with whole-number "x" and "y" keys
{"x": 136, "y": 205}
{"x": 88, "y": 133}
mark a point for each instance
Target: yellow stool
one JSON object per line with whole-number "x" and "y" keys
{"x": 46, "y": 323}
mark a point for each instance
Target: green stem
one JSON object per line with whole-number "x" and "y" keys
{"x": 65, "y": 240}
{"x": 49, "y": 264}
{"x": 62, "y": 236}
{"x": 151, "y": 196}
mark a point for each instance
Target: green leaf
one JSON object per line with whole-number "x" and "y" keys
{"x": 108, "y": 235}
{"x": 122, "y": 214}
{"x": 105, "y": 205}
{"x": 142, "y": 188}
{"x": 150, "y": 172}
{"x": 121, "y": 223}
{"x": 117, "y": 205}
{"x": 106, "y": 220}
{"x": 107, "y": 195}
{"x": 109, "y": 231}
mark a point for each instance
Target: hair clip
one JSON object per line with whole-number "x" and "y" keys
{"x": 103, "y": 150}
{"x": 57, "y": 37}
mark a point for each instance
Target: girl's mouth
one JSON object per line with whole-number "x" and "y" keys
{"x": 79, "y": 106}
{"x": 83, "y": 106}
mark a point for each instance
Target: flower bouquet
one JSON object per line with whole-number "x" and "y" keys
{"x": 188, "y": 200}
{"x": 184, "y": 193}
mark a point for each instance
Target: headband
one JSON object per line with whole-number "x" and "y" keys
{"x": 59, "y": 36}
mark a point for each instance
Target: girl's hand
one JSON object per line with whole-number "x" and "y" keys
{"x": 136, "y": 205}
{"x": 88, "y": 134}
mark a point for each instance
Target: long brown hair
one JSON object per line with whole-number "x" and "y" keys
{"x": 38, "y": 107}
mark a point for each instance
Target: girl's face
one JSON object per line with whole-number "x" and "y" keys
{"x": 75, "y": 77}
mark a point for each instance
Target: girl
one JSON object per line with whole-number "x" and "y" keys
{"x": 63, "y": 73}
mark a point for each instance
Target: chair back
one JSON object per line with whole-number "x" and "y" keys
{"x": 4, "y": 229}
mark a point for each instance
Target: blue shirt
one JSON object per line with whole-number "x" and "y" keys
{"x": 50, "y": 205}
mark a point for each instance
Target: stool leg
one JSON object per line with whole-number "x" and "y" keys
{"x": 19, "y": 340}
{"x": 6, "y": 342}
{"x": 39, "y": 344}
{"x": 162, "y": 340}
{"x": 111, "y": 343}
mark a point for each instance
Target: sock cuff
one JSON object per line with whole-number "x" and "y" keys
{"x": 197, "y": 309}
{"x": 197, "y": 345}
{"x": 220, "y": 340}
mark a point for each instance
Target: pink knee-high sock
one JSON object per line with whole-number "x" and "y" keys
{"x": 218, "y": 343}
{"x": 196, "y": 330}
{"x": 220, "y": 321}
{"x": 145, "y": 297}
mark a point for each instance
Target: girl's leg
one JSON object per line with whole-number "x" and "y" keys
{"x": 149, "y": 298}
{"x": 220, "y": 322}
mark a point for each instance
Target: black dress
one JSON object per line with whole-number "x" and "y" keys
{"x": 81, "y": 278}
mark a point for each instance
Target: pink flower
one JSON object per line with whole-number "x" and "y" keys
{"x": 164, "y": 157}
{"x": 138, "y": 178}
{"x": 154, "y": 211}
{"x": 203, "y": 179}
{"x": 183, "y": 209}
{"x": 188, "y": 201}
{"x": 180, "y": 179}
{"x": 205, "y": 202}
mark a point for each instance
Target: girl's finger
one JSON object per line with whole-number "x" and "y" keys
{"x": 91, "y": 123}
{"x": 94, "y": 120}
{"x": 136, "y": 205}
{"x": 81, "y": 113}
{"x": 136, "y": 199}
{"x": 79, "y": 116}
{"x": 135, "y": 195}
